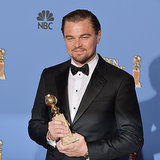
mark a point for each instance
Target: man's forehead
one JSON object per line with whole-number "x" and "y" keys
{"x": 78, "y": 28}
{"x": 87, "y": 21}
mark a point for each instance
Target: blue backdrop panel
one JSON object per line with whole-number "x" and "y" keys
{"x": 129, "y": 28}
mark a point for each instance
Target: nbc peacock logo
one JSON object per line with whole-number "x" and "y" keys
{"x": 45, "y": 19}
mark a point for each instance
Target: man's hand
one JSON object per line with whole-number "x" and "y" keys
{"x": 57, "y": 129}
{"x": 77, "y": 149}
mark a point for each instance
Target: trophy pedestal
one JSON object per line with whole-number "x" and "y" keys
{"x": 136, "y": 74}
{"x": 69, "y": 138}
{"x": 2, "y": 76}
{"x": 136, "y": 71}
{"x": 2, "y": 53}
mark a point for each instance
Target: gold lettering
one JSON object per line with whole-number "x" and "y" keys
{"x": 114, "y": 62}
{"x": 110, "y": 61}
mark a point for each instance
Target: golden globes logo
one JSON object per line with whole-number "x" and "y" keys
{"x": 2, "y": 53}
{"x": 46, "y": 19}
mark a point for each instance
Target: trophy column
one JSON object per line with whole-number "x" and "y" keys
{"x": 0, "y": 150}
{"x": 136, "y": 71}
{"x": 2, "y": 53}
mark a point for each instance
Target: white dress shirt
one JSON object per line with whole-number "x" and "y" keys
{"x": 77, "y": 85}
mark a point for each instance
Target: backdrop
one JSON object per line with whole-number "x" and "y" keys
{"x": 129, "y": 28}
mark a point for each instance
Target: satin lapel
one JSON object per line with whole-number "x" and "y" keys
{"x": 95, "y": 85}
{"x": 62, "y": 90}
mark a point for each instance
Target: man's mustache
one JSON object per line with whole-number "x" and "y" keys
{"x": 79, "y": 49}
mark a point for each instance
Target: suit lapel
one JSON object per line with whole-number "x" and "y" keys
{"x": 62, "y": 90}
{"x": 95, "y": 85}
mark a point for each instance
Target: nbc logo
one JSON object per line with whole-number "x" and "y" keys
{"x": 46, "y": 19}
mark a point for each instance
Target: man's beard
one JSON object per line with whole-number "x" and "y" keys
{"x": 84, "y": 59}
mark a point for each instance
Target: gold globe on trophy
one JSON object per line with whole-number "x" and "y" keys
{"x": 51, "y": 101}
{"x": 136, "y": 71}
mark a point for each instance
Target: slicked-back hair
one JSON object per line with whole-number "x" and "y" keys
{"x": 80, "y": 15}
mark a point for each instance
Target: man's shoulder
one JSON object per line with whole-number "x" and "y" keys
{"x": 116, "y": 77}
{"x": 117, "y": 71}
{"x": 112, "y": 71}
{"x": 57, "y": 68}
{"x": 113, "y": 74}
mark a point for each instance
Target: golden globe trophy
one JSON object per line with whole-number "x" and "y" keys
{"x": 51, "y": 101}
{"x": 2, "y": 53}
{"x": 0, "y": 150}
{"x": 136, "y": 71}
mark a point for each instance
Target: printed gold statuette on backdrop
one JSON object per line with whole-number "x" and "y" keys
{"x": 2, "y": 53}
{"x": 51, "y": 100}
{"x": 136, "y": 71}
{"x": 0, "y": 150}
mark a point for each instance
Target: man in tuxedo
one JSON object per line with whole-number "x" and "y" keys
{"x": 97, "y": 99}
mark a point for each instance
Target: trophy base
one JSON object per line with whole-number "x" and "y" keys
{"x": 3, "y": 77}
{"x": 138, "y": 85}
{"x": 69, "y": 138}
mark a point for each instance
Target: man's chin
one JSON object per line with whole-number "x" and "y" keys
{"x": 80, "y": 61}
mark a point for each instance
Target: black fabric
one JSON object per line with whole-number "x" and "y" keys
{"x": 84, "y": 69}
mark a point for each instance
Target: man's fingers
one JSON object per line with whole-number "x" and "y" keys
{"x": 58, "y": 129}
{"x": 76, "y": 149}
{"x": 64, "y": 149}
{"x": 57, "y": 122}
{"x": 58, "y": 132}
{"x": 65, "y": 128}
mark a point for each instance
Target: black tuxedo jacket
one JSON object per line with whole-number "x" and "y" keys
{"x": 108, "y": 116}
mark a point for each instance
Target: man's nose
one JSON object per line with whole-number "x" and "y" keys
{"x": 78, "y": 43}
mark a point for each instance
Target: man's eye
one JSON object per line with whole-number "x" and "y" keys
{"x": 84, "y": 37}
{"x": 69, "y": 38}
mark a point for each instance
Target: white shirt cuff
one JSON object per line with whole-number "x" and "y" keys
{"x": 50, "y": 142}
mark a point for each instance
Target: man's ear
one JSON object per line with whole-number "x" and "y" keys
{"x": 98, "y": 36}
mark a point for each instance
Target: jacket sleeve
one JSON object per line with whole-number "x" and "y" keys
{"x": 129, "y": 137}
{"x": 38, "y": 125}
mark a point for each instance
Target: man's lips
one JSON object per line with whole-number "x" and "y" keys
{"x": 78, "y": 50}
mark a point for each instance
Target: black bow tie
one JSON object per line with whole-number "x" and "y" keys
{"x": 84, "y": 69}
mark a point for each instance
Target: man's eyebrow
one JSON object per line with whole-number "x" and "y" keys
{"x": 85, "y": 34}
{"x": 68, "y": 36}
